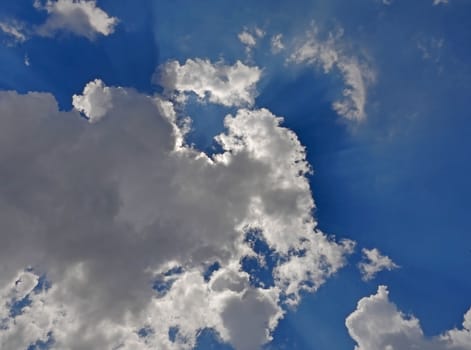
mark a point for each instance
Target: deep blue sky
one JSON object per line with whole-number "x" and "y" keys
{"x": 398, "y": 180}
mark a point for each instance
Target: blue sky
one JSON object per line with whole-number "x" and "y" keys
{"x": 395, "y": 178}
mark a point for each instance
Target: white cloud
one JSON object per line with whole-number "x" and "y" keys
{"x": 374, "y": 262}
{"x": 14, "y": 30}
{"x": 80, "y": 17}
{"x": 314, "y": 51}
{"x": 277, "y": 43}
{"x": 328, "y": 54}
{"x": 249, "y": 37}
{"x": 438, "y": 2}
{"x": 216, "y": 82}
{"x": 259, "y": 32}
{"x": 377, "y": 324}
{"x": 95, "y": 101}
{"x": 107, "y": 207}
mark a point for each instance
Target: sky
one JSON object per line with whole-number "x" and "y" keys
{"x": 235, "y": 175}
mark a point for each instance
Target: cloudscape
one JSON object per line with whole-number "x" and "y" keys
{"x": 247, "y": 175}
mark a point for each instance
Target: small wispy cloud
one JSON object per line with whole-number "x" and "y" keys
{"x": 249, "y": 37}
{"x": 374, "y": 262}
{"x": 15, "y": 30}
{"x": 329, "y": 55}
{"x": 277, "y": 43}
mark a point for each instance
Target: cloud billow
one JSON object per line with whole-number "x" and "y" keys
{"x": 107, "y": 206}
{"x": 82, "y": 18}
{"x": 378, "y": 324}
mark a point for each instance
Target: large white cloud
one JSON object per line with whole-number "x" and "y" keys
{"x": 80, "y": 17}
{"x": 215, "y": 82}
{"x": 377, "y": 324}
{"x": 329, "y": 54}
{"x": 108, "y": 206}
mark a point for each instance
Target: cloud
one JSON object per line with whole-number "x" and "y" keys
{"x": 95, "y": 101}
{"x": 26, "y": 61}
{"x": 438, "y": 2}
{"x": 374, "y": 262}
{"x": 214, "y": 82}
{"x": 15, "y": 30}
{"x": 249, "y": 37}
{"x": 277, "y": 43}
{"x": 124, "y": 220}
{"x": 377, "y": 324}
{"x": 329, "y": 55}
{"x": 79, "y": 17}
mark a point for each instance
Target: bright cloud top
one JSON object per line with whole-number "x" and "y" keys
{"x": 328, "y": 55}
{"x": 377, "y": 324}
{"x": 95, "y": 101}
{"x": 80, "y": 17}
{"x": 217, "y": 83}
{"x": 374, "y": 262}
{"x": 125, "y": 220}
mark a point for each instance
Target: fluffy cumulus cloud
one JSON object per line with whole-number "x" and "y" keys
{"x": 79, "y": 17}
{"x": 328, "y": 54}
{"x": 141, "y": 238}
{"x": 374, "y": 262}
{"x": 228, "y": 85}
{"x": 377, "y": 324}
{"x": 95, "y": 100}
